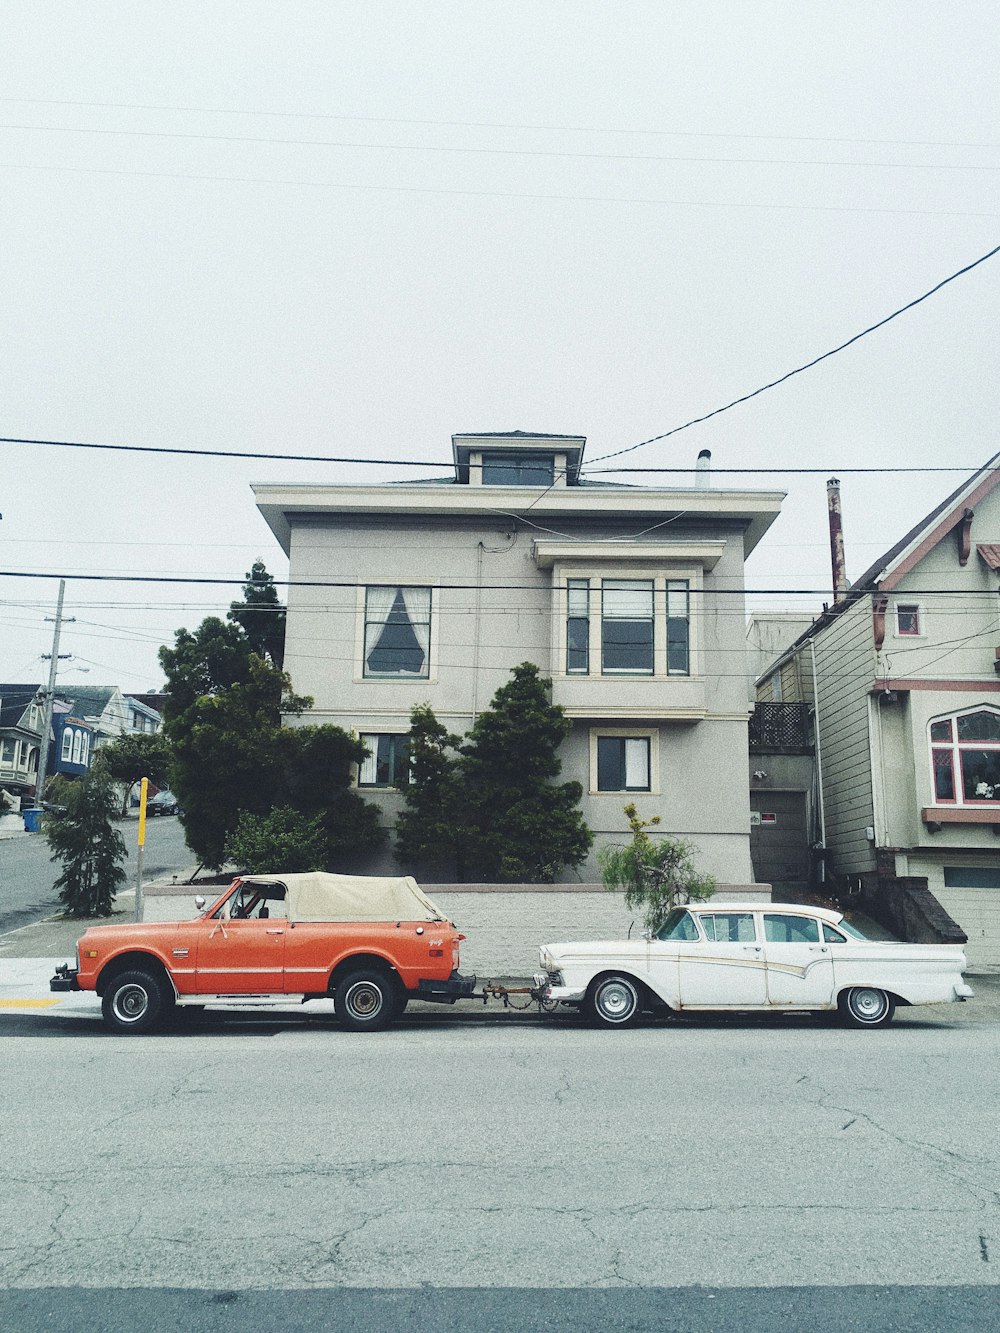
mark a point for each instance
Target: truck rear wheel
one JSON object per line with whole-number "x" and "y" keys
{"x": 134, "y": 1001}
{"x": 366, "y": 1000}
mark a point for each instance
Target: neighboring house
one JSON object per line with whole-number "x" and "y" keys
{"x": 630, "y": 598}
{"x": 110, "y": 712}
{"x": 901, "y": 677}
{"x": 71, "y": 749}
{"x": 21, "y": 717}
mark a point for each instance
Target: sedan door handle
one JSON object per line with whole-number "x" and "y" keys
{"x": 752, "y": 948}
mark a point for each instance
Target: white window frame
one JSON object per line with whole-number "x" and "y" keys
{"x": 960, "y": 801}
{"x": 661, "y": 575}
{"x": 66, "y": 754}
{"x": 361, "y": 676}
{"x": 652, "y": 734}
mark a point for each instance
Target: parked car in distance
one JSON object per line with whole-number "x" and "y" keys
{"x": 744, "y": 957}
{"x": 369, "y": 944}
{"x": 163, "y": 803}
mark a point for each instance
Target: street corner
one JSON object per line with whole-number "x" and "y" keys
{"x": 24, "y": 988}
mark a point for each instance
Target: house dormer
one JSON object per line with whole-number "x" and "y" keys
{"x": 518, "y": 458}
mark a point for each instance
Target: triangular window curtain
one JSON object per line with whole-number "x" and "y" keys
{"x": 397, "y": 631}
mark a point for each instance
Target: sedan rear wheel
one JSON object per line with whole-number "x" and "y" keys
{"x": 614, "y": 1002}
{"x": 866, "y": 1007}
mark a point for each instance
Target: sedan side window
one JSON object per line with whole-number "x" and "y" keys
{"x": 781, "y": 929}
{"x": 831, "y": 936}
{"x": 730, "y": 927}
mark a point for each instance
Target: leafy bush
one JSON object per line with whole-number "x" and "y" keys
{"x": 284, "y": 840}
{"x": 655, "y": 874}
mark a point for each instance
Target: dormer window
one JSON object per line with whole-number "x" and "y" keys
{"x": 518, "y": 469}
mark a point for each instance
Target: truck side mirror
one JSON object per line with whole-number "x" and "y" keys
{"x": 199, "y": 903}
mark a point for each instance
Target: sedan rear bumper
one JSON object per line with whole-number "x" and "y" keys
{"x": 562, "y": 995}
{"x": 963, "y": 992}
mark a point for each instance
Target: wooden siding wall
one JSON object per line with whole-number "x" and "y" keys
{"x": 845, "y": 659}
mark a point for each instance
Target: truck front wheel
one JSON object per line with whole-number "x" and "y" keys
{"x": 366, "y": 1000}
{"x": 134, "y": 1001}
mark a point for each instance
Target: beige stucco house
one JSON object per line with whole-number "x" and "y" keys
{"x": 901, "y": 674}
{"x": 630, "y": 598}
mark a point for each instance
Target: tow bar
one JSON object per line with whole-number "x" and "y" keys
{"x": 512, "y": 997}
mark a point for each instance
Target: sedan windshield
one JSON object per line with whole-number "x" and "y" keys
{"x": 678, "y": 926}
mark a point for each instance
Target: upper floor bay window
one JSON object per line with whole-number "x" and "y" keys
{"x": 965, "y": 757}
{"x": 628, "y": 627}
{"x": 511, "y": 469}
{"x": 397, "y": 632}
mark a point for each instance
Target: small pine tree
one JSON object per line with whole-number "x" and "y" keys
{"x": 432, "y": 828}
{"x": 90, "y": 848}
{"x": 655, "y": 874}
{"x": 527, "y": 825}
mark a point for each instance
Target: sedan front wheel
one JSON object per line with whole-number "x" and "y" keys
{"x": 866, "y": 1007}
{"x": 614, "y": 1002}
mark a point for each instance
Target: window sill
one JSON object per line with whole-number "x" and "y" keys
{"x": 960, "y": 814}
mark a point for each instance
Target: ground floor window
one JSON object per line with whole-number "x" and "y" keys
{"x": 972, "y": 877}
{"x": 623, "y": 763}
{"x": 387, "y": 762}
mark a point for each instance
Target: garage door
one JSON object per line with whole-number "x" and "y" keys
{"x": 977, "y": 911}
{"x": 779, "y": 846}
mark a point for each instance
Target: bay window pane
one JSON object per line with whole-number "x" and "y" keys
{"x": 578, "y": 626}
{"x": 678, "y": 628}
{"x": 944, "y": 776}
{"x": 982, "y": 726}
{"x": 980, "y": 774}
{"x": 941, "y": 731}
{"x": 627, "y": 626}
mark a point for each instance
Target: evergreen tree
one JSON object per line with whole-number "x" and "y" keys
{"x": 433, "y": 828}
{"x": 231, "y": 754}
{"x": 494, "y": 811}
{"x": 527, "y": 826}
{"x": 90, "y": 848}
{"x": 261, "y": 615}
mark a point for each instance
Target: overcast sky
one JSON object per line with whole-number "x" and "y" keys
{"x": 593, "y": 218}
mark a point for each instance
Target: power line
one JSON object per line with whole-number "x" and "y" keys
{"x": 530, "y": 196}
{"x": 479, "y": 151}
{"x": 809, "y": 364}
{"x": 494, "y": 125}
{"x": 507, "y": 586}
{"x": 265, "y": 456}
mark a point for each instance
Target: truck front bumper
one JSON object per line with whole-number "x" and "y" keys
{"x": 64, "y": 979}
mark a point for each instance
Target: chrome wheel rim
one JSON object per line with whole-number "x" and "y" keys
{"x": 364, "y": 1000}
{"x": 130, "y": 1003}
{"x": 616, "y": 1001}
{"x": 869, "y": 1005}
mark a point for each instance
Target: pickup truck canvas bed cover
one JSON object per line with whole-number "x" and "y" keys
{"x": 318, "y": 896}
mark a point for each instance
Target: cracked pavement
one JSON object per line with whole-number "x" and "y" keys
{"x": 535, "y": 1153}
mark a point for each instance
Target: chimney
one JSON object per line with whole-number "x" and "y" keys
{"x": 837, "y": 561}
{"x": 703, "y": 470}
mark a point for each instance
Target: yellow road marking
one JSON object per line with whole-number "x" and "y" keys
{"x": 28, "y": 1004}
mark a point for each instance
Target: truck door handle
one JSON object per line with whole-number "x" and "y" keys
{"x": 274, "y": 932}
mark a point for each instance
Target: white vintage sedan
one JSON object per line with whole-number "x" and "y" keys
{"x": 742, "y": 957}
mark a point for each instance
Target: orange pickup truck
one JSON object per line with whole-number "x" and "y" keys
{"x": 370, "y": 944}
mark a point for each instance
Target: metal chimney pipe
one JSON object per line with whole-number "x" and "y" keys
{"x": 837, "y": 560}
{"x": 703, "y": 470}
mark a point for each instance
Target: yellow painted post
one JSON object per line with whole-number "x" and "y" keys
{"x": 143, "y": 791}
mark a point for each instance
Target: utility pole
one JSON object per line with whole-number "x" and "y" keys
{"x": 50, "y": 693}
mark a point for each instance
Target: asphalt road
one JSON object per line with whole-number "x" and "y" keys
{"x": 27, "y": 874}
{"x": 477, "y": 1171}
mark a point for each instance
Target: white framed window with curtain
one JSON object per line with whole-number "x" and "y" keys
{"x": 624, "y": 760}
{"x": 67, "y": 744}
{"x": 77, "y": 745}
{"x": 397, "y": 632}
{"x": 387, "y": 763}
